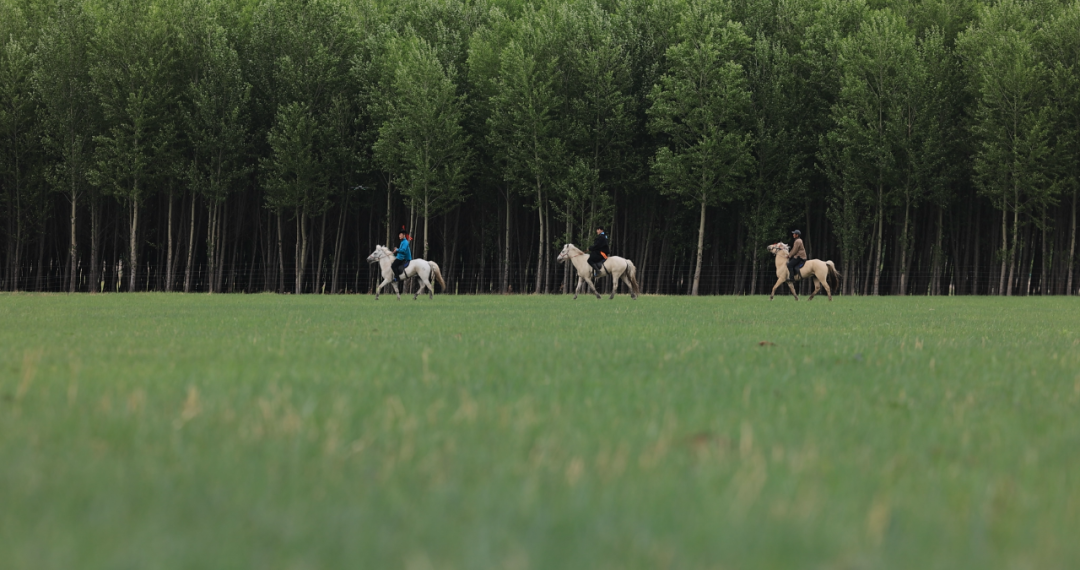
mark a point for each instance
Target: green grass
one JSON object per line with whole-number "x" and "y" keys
{"x": 194, "y": 431}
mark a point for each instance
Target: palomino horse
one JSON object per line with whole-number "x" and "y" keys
{"x": 617, "y": 267}
{"x": 417, "y": 268}
{"x": 819, "y": 270}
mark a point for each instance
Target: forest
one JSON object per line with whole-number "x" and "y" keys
{"x": 928, "y": 147}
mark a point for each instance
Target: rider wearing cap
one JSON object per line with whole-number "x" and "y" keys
{"x": 797, "y": 255}
{"x": 598, "y": 251}
{"x": 404, "y": 255}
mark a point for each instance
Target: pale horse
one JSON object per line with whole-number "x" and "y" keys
{"x": 617, "y": 267}
{"x": 417, "y": 268}
{"x": 815, "y": 268}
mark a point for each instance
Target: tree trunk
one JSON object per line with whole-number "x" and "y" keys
{"x": 337, "y": 245}
{"x": 1004, "y": 248}
{"x": 1072, "y": 247}
{"x": 281, "y": 257}
{"x": 133, "y": 260}
{"x": 700, "y": 250}
{"x": 222, "y": 215}
{"x": 937, "y": 255}
{"x": 753, "y": 274}
{"x": 1044, "y": 277}
{"x": 73, "y": 250}
{"x": 904, "y": 246}
{"x": 169, "y": 253}
{"x": 505, "y": 287}
{"x": 1016, "y": 234}
{"x": 319, "y": 262}
{"x": 94, "y": 284}
{"x": 540, "y": 248}
{"x": 389, "y": 208}
{"x": 877, "y": 248}
{"x": 547, "y": 248}
{"x": 427, "y": 232}
{"x": 211, "y": 244}
{"x": 302, "y": 262}
{"x": 190, "y": 247}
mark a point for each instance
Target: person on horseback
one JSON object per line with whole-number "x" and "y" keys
{"x": 797, "y": 255}
{"x": 404, "y": 255}
{"x": 598, "y": 251}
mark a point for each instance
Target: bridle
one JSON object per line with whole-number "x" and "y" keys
{"x": 382, "y": 255}
{"x": 571, "y": 255}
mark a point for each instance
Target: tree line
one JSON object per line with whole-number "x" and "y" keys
{"x": 928, "y": 146}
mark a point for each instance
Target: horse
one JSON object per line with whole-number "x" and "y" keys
{"x": 815, "y": 268}
{"x": 417, "y": 268}
{"x": 617, "y": 267}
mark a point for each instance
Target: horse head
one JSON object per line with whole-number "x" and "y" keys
{"x": 379, "y": 253}
{"x": 776, "y": 248}
{"x": 565, "y": 253}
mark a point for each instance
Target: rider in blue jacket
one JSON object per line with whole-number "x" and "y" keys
{"x": 404, "y": 255}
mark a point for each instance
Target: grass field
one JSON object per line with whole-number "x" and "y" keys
{"x": 155, "y": 431}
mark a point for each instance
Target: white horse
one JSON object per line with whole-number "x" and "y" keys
{"x": 814, "y": 268}
{"x": 417, "y": 268}
{"x": 617, "y": 267}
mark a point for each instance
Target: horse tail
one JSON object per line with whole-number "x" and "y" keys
{"x": 833, "y": 272}
{"x": 633, "y": 277}
{"x": 438, "y": 274}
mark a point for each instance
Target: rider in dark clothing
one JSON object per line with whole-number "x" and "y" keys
{"x": 598, "y": 251}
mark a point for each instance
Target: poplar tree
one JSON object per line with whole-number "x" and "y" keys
{"x": 1060, "y": 45}
{"x": 293, "y": 175}
{"x": 526, "y": 136}
{"x": 216, "y": 130}
{"x": 62, "y": 81}
{"x": 873, "y": 117}
{"x": 20, "y": 133}
{"x": 132, "y": 79}
{"x": 699, "y": 109}
{"x": 423, "y": 134}
{"x": 1011, "y": 121}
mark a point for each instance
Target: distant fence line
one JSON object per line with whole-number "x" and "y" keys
{"x": 463, "y": 279}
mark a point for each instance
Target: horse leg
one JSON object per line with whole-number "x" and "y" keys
{"x": 380, "y": 286}
{"x": 420, "y": 289}
{"x": 817, "y": 288}
{"x": 593, "y": 288}
{"x": 775, "y": 287}
{"x": 626, "y": 279}
{"x": 825, "y": 283}
{"x": 793, "y": 293}
{"x": 396, "y": 290}
{"x": 578, "y": 288}
{"x": 614, "y": 285}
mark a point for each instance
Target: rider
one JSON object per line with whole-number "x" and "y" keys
{"x": 404, "y": 254}
{"x": 797, "y": 255}
{"x": 598, "y": 252}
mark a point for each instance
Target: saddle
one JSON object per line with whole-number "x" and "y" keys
{"x": 796, "y": 275}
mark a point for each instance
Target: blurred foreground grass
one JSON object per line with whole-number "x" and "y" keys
{"x": 170, "y": 431}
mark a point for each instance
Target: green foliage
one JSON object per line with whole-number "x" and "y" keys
{"x": 294, "y": 176}
{"x": 132, "y": 77}
{"x": 422, "y": 138}
{"x": 882, "y": 115}
{"x": 699, "y": 109}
